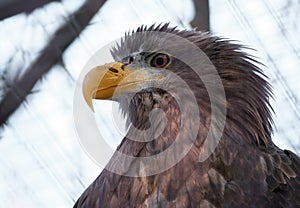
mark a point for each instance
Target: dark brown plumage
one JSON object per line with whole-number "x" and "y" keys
{"x": 245, "y": 170}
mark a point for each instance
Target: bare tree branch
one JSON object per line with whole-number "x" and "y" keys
{"x": 49, "y": 57}
{"x": 201, "y": 19}
{"x": 10, "y": 8}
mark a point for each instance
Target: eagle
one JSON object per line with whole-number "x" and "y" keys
{"x": 199, "y": 125}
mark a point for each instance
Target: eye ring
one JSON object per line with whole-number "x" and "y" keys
{"x": 160, "y": 60}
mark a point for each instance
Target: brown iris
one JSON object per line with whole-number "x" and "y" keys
{"x": 160, "y": 60}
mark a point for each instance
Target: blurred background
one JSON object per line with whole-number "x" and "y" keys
{"x": 44, "y": 45}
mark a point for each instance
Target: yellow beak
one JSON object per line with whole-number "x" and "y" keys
{"x": 102, "y": 81}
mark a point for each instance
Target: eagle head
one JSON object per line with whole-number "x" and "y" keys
{"x": 160, "y": 66}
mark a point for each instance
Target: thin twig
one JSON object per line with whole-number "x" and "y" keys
{"x": 201, "y": 19}
{"x": 13, "y": 7}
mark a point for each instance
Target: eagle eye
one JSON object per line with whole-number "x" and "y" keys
{"x": 160, "y": 60}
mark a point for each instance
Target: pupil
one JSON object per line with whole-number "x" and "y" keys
{"x": 159, "y": 61}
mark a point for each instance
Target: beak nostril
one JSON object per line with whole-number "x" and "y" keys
{"x": 113, "y": 70}
{"x": 123, "y": 66}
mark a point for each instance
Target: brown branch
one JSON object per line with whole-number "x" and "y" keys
{"x": 13, "y": 7}
{"x": 49, "y": 56}
{"x": 201, "y": 19}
